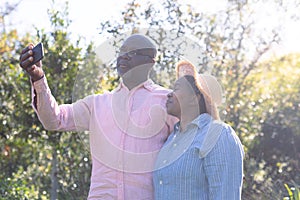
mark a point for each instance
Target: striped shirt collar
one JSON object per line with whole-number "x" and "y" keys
{"x": 200, "y": 121}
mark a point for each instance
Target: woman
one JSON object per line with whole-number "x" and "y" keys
{"x": 203, "y": 157}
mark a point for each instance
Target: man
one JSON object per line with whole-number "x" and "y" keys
{"x": 127, "y": 126}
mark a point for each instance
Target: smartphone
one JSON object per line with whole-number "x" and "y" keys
{"x": 38, "y": 53}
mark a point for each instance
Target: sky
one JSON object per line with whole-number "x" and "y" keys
{"x": 86, "y": 16}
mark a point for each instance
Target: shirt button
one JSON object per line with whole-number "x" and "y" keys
{"x": 174, "y": 145}
{"x": 164, "y": 161}
{"x": 160, "y": 182}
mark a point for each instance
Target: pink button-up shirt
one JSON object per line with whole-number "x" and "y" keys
{"x": 127, "y": 129}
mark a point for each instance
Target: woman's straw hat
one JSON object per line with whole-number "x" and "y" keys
{"x": 207, "y": 84}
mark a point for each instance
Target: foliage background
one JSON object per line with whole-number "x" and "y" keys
{"x": 262, "y": 94}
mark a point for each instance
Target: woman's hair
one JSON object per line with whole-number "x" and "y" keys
{"x": 194, "y": 85}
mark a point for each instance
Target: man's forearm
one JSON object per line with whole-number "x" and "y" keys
{"x": 49, "y": 112}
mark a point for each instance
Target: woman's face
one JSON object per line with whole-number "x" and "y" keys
{"x": 180, "y": 98}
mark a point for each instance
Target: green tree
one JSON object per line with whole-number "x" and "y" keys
{"x": 15, "y": 124}
{"x": 275, "y": 103}
{"x": 15, "y": 151}
{"x": 37, "y": 164}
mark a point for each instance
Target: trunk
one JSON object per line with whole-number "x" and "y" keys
{"x": 54, "y": 181}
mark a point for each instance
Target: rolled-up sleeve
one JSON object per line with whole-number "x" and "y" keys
{"x": 65, "y": 117}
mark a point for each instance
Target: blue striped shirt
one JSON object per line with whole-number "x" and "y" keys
{"x": 203, "y": 162}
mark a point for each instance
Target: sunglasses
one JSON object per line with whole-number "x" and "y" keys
{"x": 134, "y": 53}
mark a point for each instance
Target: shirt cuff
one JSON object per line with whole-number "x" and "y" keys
{"x": 40, "y": 85}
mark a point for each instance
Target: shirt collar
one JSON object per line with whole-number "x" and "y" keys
{"x": 200, "y": 121}
{"x": 148, "y": 84}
